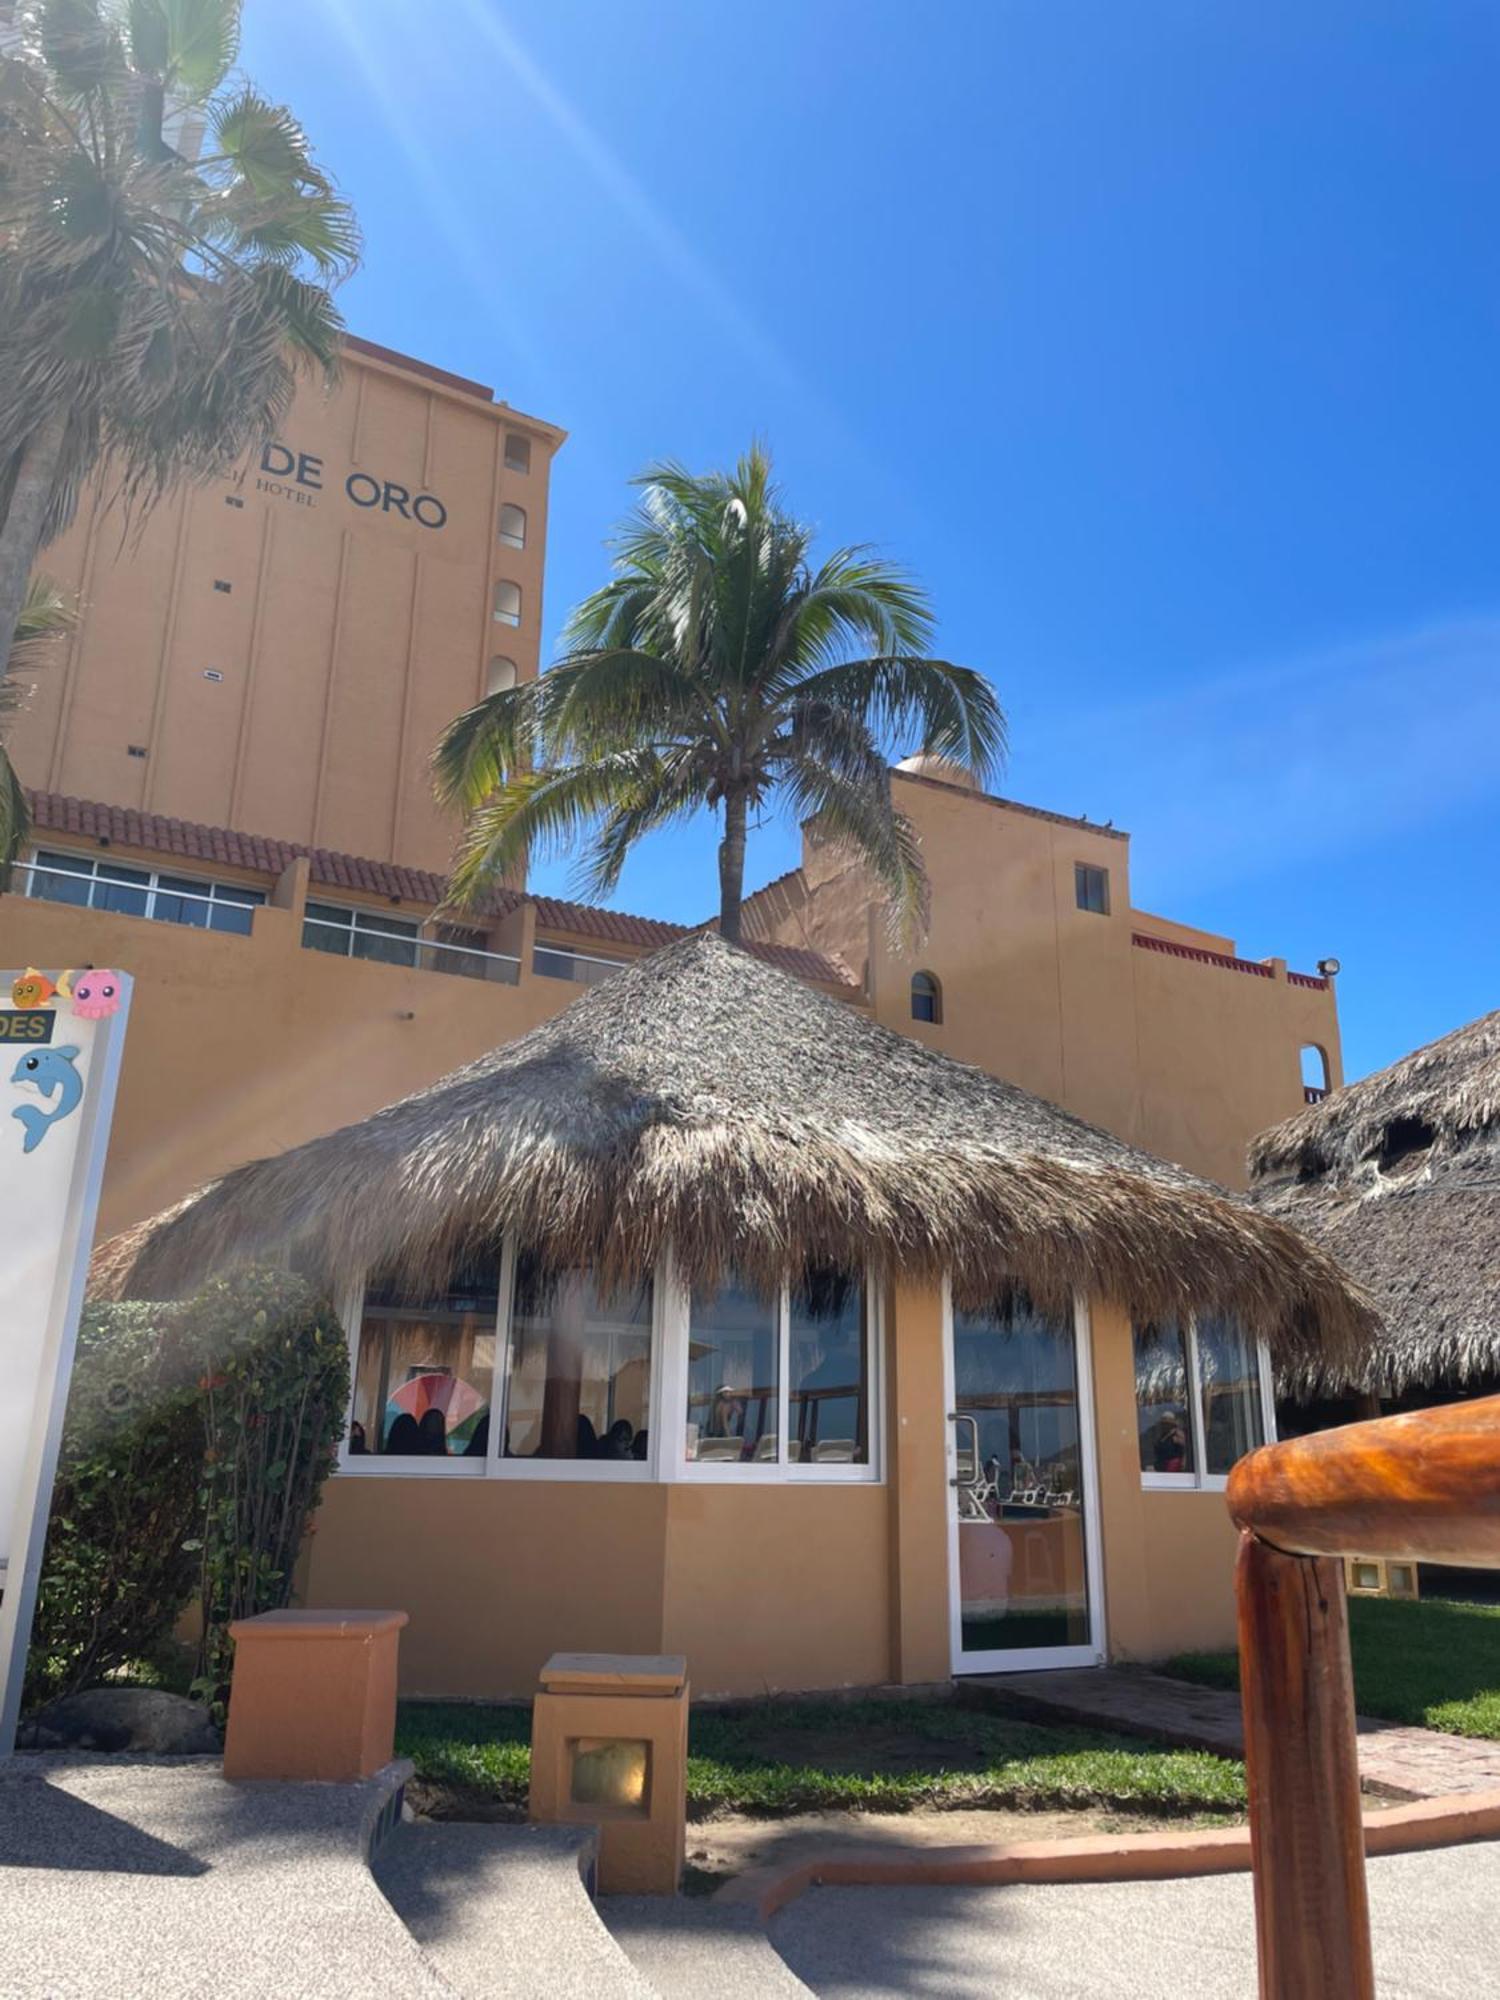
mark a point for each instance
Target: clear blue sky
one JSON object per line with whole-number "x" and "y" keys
{"x": 1161, "y": 339}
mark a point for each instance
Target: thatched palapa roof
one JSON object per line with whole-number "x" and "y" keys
{"x": 1398, "y": 1176}
{"x": 702, "y": 1098}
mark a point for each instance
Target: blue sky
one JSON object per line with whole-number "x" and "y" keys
{"x": 1161, "y": 340}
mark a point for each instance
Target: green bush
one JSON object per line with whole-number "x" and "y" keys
{"x": 197, "y": 1439}
{"x": 116, "y": 1572}
{"x": 274, "y": 1394}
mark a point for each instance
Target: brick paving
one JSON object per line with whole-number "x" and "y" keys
{"x": 1394, "y": 1760}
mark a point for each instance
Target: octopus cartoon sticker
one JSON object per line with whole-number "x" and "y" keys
{"x": 32, "y": 988}
{"x": 96, "y": 994}
{"x": 52, "y": 1073}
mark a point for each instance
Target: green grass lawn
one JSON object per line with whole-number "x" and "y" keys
{"x": 1433, "y": 1663}
{"x": 773, "y": 1758}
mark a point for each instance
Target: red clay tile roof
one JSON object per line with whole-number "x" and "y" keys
{"x": 153, "y": 833}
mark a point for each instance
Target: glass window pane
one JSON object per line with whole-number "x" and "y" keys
{"x": 1022, "y": 1569}
{"x": 71, "y": 882}
{"x": 234, "y": 916}
{"x": 828, "y": 1390}
{"x": 1162, "y": 1410}
{"x": 426, "y": 1369}
{"x": 123, "y": 890}
{"x": 320, "y": 935}
{"x": 178, "y": 900}
{"x": 579, "y": 1381}
{"x": 733, "y": 1369}
{"x": 1229, "y": 1384}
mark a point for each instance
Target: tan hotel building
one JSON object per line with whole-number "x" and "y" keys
{"x": 229, "y": 763}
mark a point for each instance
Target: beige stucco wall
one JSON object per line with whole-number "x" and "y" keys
{"x": 1180, "y": 1054}
{"x": 348, "y": 638}
{"x": 243, "y": 1046}
{"x": 764, "y": 1588}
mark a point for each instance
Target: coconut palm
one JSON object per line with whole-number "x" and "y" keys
{"x": 44, "y": 615}
{"x": 155, "y": 306}
{"x": 721, "y": 666}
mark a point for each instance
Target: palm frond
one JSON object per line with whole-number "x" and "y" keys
{"x": 539, "y": 813}
{"x": 862, "y": 818}
{"x": 487, "y": 746}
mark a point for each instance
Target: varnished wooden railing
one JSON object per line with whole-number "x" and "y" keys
{"x": 1422, "y": 1488}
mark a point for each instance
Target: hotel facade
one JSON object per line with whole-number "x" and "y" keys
{"x": 229, "y": 768}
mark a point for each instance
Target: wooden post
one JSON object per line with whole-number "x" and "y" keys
{"x": 1312, "y": 1914}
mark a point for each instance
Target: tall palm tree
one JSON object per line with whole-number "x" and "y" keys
{"x": 45, "y": 614}
{"x": 155, "y": 307}
{"x": 720, "y": 666}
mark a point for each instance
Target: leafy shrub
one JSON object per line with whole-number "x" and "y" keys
{"x": 197, "y": 1439}
{"x": 274, "y": 1393}
{"x": 116, "y": 1572}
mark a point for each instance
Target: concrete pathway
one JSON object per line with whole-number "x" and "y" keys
{"x": 1394, "y": 1760}
{"x": 502, "y": 1911}
{"x": 689, "y": 1948}
{"x": 152, "y": 1877}
{"x": 1435, "y": 1917}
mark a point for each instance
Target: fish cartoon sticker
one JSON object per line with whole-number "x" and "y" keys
{"x": 52, "y": 1073}
{"x": 96, "y": 994}
{"x": 32, "y": 988}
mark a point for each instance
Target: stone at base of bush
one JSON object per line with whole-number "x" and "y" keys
{"x": 146, "y": 1720}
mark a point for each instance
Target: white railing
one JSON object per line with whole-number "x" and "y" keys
{"x": 418, "y": 954}
{"x": 98, "y": 888}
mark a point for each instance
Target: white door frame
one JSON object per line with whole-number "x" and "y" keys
{"x": 1093, "y": 1652}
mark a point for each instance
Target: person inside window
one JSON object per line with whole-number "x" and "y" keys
{"x": 1169, "y": 1451}
{"x": 727, "y": 1416}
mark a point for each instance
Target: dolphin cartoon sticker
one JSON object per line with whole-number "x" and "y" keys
{"x": 51, "y": 1073}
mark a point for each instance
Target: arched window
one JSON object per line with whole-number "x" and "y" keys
{"x": 926, "y": 998}
{"x": 508, "y": 603}
{"x": 517, "y": 452}
{"x": 500, "y": 675}
{"x": 513, "y": 526}
{"x": 1314, "y": 1074}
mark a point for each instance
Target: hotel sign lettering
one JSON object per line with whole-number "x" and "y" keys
{"x": 30, "y": 1025}
{"x": 298, "y": 476}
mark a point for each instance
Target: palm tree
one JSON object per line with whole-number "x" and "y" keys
{"x": 44, "y": 615}
{"x": 155, "y": 308}
{"x": 720, "y": 666}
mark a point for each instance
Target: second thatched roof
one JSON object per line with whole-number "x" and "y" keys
{"x": 702, "y": 1099}
{"x": 1398, "y": 1176}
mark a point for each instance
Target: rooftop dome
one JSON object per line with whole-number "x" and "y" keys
{"x": 942, "y": 770}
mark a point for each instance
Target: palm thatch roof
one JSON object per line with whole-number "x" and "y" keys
{"x": 1398, "y": 1177}
{"x": 702, "y": 1098}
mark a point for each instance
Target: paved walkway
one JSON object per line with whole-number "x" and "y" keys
{"x": 1435, "y": 1918}
{"x": 153, "y": 1877}
{"x": 502, "y": 1912}
{"x": 1395, "y": 1761}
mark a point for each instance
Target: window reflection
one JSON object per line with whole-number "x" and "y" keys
{"x": 426, "y": 1369}
{"x": 579, "y": 1382}
{"x": 1162, "y": 1398}
{"x": 1229, "y": 1381}
{"x": 828, "y": 1381}
{"x": 733, "y": 1377}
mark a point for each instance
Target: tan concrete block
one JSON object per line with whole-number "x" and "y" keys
{"x": 314, "y": 1694}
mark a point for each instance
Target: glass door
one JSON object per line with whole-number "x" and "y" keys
{"x": 1023, "y": 1580}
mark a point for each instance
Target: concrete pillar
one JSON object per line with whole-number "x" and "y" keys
{"x": 917, "y": 1484}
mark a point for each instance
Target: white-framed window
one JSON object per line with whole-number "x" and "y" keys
{"x": 518, "y": 1373}
{"x": 92, "y": 882}
{"x": 500, "y": 675}
{"x": 1203, "y": 1399}
{"x": 927, "y": 998}
{"x": 517, "y": 452}
{"x": 353, "y": 933}
{"x": 507, "y": 604}
{"x": 512, "y": 528}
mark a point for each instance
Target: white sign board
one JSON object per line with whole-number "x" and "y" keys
{"x": 60, "y": 1041}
